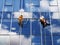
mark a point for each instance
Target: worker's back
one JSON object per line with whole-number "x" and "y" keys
{"x": 20, "y": 19}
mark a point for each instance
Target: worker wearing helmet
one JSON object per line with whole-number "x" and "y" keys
{"x": 43, "y": 21}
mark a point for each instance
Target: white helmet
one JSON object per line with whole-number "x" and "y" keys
{"x": 41, "y": 17}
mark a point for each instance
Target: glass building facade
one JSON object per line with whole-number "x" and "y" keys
{"x": 32, "y": 32}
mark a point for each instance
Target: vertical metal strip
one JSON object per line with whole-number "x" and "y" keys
{"x": 51, "y": 29}
{"x": 41, "y": 31}
{"x": 11, "y": 20}
{"x": 45, "y": 33}
{"x": 30, "y": 24}
{"x": 20, "y": 29}
{"x": 2, "y": 13}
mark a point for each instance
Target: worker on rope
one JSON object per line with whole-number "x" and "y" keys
{"x": 20, "y": 20}
{"x": 43, "y": 21}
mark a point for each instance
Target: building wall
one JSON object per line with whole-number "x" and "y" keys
{"x": 32, "y": 32}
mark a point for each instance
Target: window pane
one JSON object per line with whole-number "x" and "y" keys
{"x": 5, "y": 28}
{"x": 27, "y": 7}
{"x": 1, "y": 5}
{"x": 16, "y": 5}
{"x": 26, "y": 28}
{"x": 36, "y": 25}
{"x": 14, "y": 40}
{"x": 7, "y": 15}
{"x": 15, "y": 27}
{"x": 8, "y": 2}
{"x": 35, "y": 5}
{"x": 4, "y": 40}
{"x": 8, "y": 9}
{"x": 0, "y": 15}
